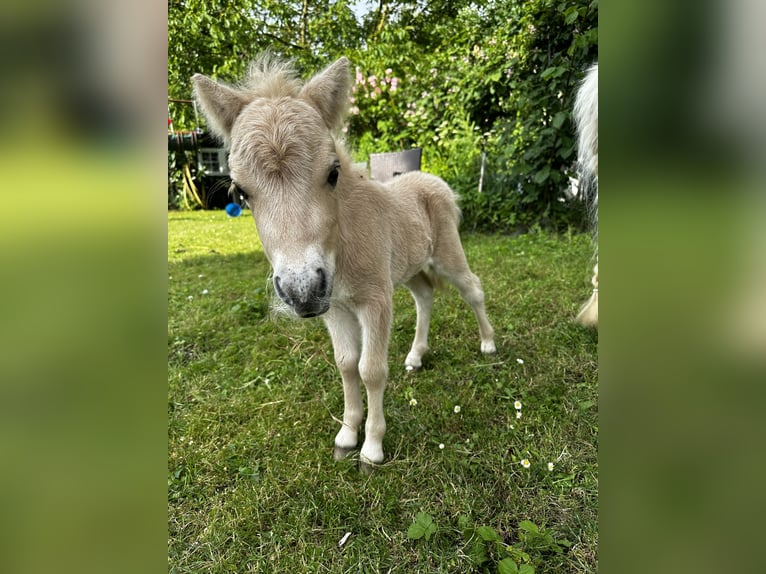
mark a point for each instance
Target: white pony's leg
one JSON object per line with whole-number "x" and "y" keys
{"x": 346, "y": 337}
{"x": 423, "y": 292}
{"x": 586, "y": 118}
{"x": 375, "y": 319}
{"x": 588, "y": 315}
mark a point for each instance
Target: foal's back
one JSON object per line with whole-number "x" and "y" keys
{"x": 424, "y": 210}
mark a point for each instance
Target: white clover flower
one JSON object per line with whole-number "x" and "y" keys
{"x": 205, "y": 291}
{"x": 200, "y": 276}
{"x": 520, "y": 361}
{"x": 190, "y": 297}
{"x": 550, "y": 466}
{"x": 517, "y": 405}
{"x": 441, "y": 446}
{"x": 525, "y": 462}
{"x": 518, "y": 414}
{"x": 456, "y": 409}
{"x": 413, "y": 402}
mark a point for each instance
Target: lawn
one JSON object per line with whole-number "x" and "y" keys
{"x": 254, "y": 403}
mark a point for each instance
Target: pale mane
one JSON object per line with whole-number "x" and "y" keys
{"x": 269, "y": 77}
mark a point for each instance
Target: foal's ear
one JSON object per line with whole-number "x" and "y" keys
{"x": 221, "y": 104}
{"x": 328, "y": 92}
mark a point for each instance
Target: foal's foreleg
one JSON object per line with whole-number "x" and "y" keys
{"x": 423, "y": 292}
{"x": 346, "y": 337}
{"x": 375, "y": 319}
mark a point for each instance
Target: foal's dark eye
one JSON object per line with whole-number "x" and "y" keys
{"x": 237, "y": 194}
{"x": 332, "y": 177}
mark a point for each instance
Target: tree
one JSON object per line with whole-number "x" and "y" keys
{"x": 458, "y": 78}
{"x": 220, "y": 37}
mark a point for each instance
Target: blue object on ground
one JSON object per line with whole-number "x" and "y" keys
{"x": 233, "y": 210}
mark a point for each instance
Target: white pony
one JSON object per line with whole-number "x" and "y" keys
{"x": 339, "y": 243}
{"x": 586, "y": 118}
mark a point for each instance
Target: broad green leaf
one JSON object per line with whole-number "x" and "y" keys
{"x": 415, "y": 531}
{"x": 553, "y": 72}
{"x": 422, "y": 527}
{"x": 527, "y": 569}
{"x": 571, "y": 15}
{"x": 559, "y": 119}
{"x": 529, "y": 526}
{"x": 507, "y": 566}
{"x": 542, "y": 175}
{"x": 430, "y": 529}
{"x": 487, "y": 533}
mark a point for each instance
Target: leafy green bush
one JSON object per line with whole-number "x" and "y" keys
{"x": 458, "y": 79}
{"x": 499, "y": 81}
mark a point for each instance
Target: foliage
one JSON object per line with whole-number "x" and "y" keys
{"x": 490, "y": 552}
{"x": 220, "y": 37}
{"x": 423, "y": 527}
{"x": 459, "y": 79}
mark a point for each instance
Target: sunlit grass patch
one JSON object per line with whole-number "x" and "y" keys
{"x": 253, "y": 403}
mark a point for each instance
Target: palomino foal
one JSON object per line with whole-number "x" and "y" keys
{"x": 338, "y": 243}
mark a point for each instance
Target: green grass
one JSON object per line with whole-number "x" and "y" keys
{"x": 252, "y": 485}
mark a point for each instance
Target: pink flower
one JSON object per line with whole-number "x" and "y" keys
{"x": 394, "y": 84}
{"x": 388, "y": 71}
{"x": 373, "y": 81}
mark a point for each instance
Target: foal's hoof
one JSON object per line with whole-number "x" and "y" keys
{"x": 488, "y": 347}
{"x": 411, "y": 368}
{"x": 339, "y": 453}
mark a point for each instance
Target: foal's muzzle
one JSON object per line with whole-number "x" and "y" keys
{"x": 308, "y": 293}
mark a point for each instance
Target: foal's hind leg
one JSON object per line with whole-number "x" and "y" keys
{"x": 423, "y": 292}
{"x": 449, "y": 262}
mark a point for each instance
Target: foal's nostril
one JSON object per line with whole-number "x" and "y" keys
{"x": 281, "y": 293}
{"x": 322, "y": 289}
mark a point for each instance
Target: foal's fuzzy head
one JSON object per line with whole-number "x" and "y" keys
{"x": 285, "y": 161}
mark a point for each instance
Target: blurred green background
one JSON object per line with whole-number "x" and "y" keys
{"x": 82, "y": 257}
